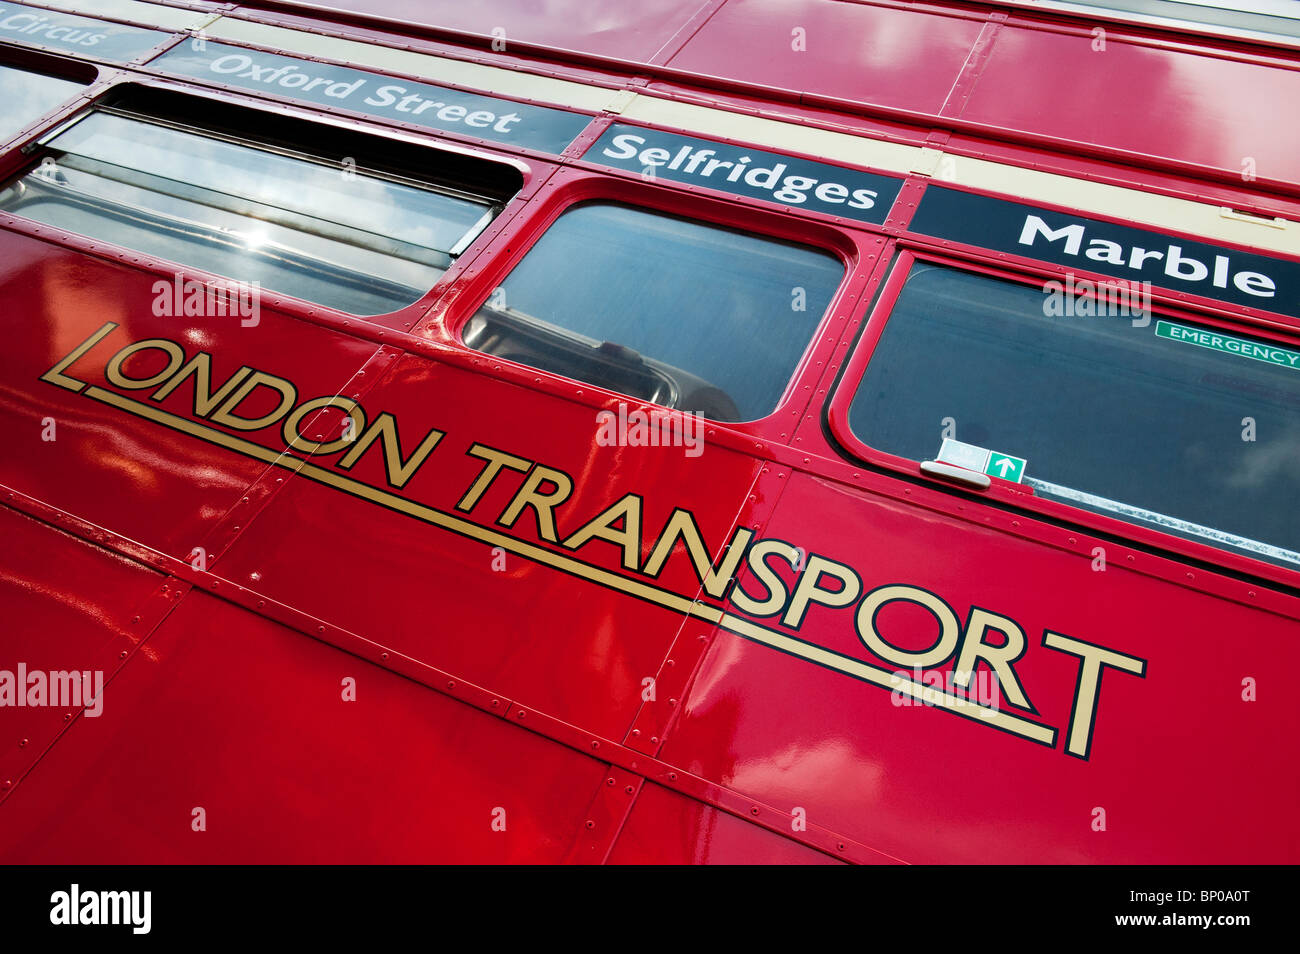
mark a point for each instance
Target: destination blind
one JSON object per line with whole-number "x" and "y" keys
{"x": 68, "y": 32}
{"x": 739, "y": 170}
{"x": 433, "y": 107}
{"x": 1064, "y": 238}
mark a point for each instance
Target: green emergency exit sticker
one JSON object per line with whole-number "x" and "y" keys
{"x": 1258, "y": 350}
{"x": 981, "y": 460}
{"x": 1005, "y": 466}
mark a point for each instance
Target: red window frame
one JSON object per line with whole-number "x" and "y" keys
{"x": 14, "y": 161}
{"x": 35, "y": 61}
{"x": 1005, "y": 493}
{"x": 571, "y": 186}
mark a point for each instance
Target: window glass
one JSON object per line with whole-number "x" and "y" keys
{"x": 29, "y": 96}
{"x": 1162, "y": 422}
{"x": 676, "y": 312}
{"x": 323, "y": 232}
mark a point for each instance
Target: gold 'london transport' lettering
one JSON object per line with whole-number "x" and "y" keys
{"x": 740, "y": 577}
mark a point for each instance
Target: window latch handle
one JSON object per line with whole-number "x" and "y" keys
{"x": 956, "y": 475}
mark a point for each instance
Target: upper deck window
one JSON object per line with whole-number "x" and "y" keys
{"x": 1189, "y": 429}
{"x": 28, "y": 96}
{"x": 679, "y": 313}
{"x": 335, "y": 232}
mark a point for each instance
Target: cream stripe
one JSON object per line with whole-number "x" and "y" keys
{"x": 150, "y": 14}
{"x": 784, "y": 137}
{"x": 436, "y": 69}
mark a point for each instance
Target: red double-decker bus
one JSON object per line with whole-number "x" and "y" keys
{"x": 688, "y": 431}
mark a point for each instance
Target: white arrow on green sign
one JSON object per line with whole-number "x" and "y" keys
{"x": 1005, "y": 466}
{"x": 981, "y": 460}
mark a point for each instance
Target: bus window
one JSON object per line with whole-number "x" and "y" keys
{"x": 335, "y": 233}
{"x": 1163, "y": 422}
{"x": 29, "y": 96}
{"x": 678, "y": 313}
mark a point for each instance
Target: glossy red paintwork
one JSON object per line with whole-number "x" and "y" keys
{"x": 191, "y": 486}
{"x": 860, "y": 53}
{"x": 612, "y": 28}
{"x": 1208, "y": 111}
{"x": 77, "y": 590}
{"x": 927, "y": 786}
{"x": 284, "y": 768}
{"x": 496, "y": 668}
{"x": 666, "y": 829}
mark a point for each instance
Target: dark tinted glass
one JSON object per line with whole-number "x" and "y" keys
{"x": 676, "y": 312}
{"x": 1144, "y": 418}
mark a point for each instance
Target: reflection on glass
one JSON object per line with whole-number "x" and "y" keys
{"x": 25, "y": 97}
{"x": 1114, "y": 414}
{"x": 325, "y": 233}
{"x": 675, "y": 312}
